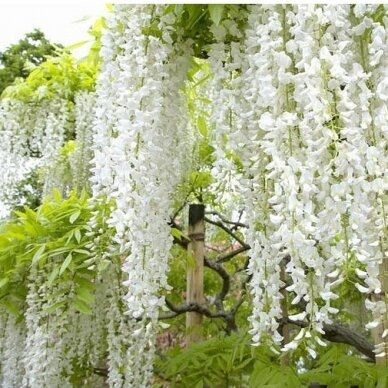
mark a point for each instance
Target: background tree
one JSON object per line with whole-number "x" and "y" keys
{"x": 32, "y": 49}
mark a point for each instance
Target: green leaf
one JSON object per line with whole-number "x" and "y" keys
{"x": 199, "y": 384}
{"x": 38, "y": 254}
{"x": 85, "y": 283}
{"x": 71, "y": 234}
{"x": 20, "y": 214}
{"x": 11, "y": 307}
{"x": 77, "y": 235}
{"x": 202, "y": 127}
{"x": 178, "y": 234}
{"x": 77, "y": 45}
{"x": 201, "y": 179}
{"x": 55, "y": 306}
{"x": 85, "y": 295}
{"x": 52, "y": 276}
{"x": 3, "y": 282}
{"x": 57, "y": 195}
{"x": 66, "y": 263}
{"x": 87, "y": 263}
{"x": 179, "y": 8}
{"x": 82, "y": 307}
{"x": 216, "y": 11}
{"x": 103, "y": 265}
{"x": 74, "y": 216}
{"x": 82, "y": 251}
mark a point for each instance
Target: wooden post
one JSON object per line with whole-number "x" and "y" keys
{"x": 194, "y": 285}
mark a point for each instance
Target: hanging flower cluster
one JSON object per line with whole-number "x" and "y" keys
{"x": 39, "y": 350}
{"x": 311, "y": 133}
{"x": 84, "y": 118}
{"x": 225, "y": 60}
{"x": 53, "y": 326}
{"x": 11, "y": 350}
{"x": 45, "y": 361}
{"x": 70, "y": 167}
{"x": 139, "y": 144}
{"x": 299, "y": 124}
{"x": 31, "y": 136}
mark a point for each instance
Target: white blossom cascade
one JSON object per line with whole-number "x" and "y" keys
{"x": 140, "y": 144}
{"x": 314, "y": 162}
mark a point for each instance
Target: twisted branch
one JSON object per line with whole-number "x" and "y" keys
{"x": 218, "y": 302}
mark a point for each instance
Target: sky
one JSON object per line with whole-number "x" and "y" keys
{"x": 60, "y": 21}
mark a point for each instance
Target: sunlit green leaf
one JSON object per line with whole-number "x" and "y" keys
{"x": 77, "y": 234}
{"x": 3, "y": 282}
{"x": 55, "y": 306}
{"x": 66, "y": 263}
{"x": 54, "y": 273}
{"x": 216, "y": 11}
{"x": 38, "y": 254}
{"x": 82, "y": 307}
{"x": 74, "y": 216}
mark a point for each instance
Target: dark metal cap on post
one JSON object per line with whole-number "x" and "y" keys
{"x": 196, "y": 213}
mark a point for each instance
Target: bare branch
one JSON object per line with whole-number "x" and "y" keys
{"x": 238, "y": 303}
{"x": 333, "y": 332}
{"x": 195, "y": 307}
{"x": 236, "y": 224}
{"x": 168, "y": 315}
{"x": 342, "y": 334}
{"x": 228, "y": 256}
{"x": 211, "y": 248}
{"x": 218, "y": 302}
{"x": 227, "y": 230}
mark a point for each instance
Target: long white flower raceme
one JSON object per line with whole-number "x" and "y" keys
{"x": 31, "y": 135}
{"x": 46, "y": 357}
{"x": 84, "y": 118}
{"x": 139, "y": 146}
{"x": 371, "y": 40}
{"x": 313, "y": 161}
{"x": 259, "y": 95}
{"x": 12, "y": 347}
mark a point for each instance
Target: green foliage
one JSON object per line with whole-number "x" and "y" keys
{"x": 55, "y": 235}
{"x": 96, "y": 31}
{"x": 215, "y": 363}
{"x": 216, "y": 11}
{"x": 196, "y": 185}
{"x": 58, "y": 77}
{"x": 196, "y": 20}
{"x": 338, "y": 368}
{"x": 233, "y": 362}
{"x": 18, "y": 59}
{"x": 225, "y": 362}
